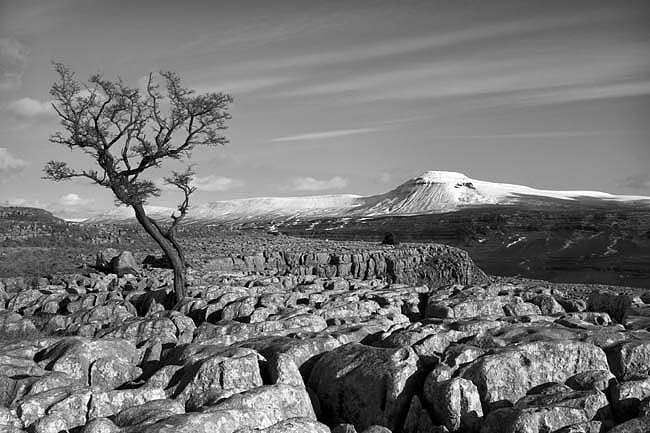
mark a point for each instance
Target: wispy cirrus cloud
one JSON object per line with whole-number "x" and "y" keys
{"x": 430, "y": 41}
{"x": 309, "y": 183}
{"x": 233, "y": 86}
{"x": 240, "y": 86}
{"x": 13, "y": 57}
{"x": 280, "y": 70}
{"x": 34, "y": 18}
{"x": 621, "y": 89}
{"x": 559, "y": 76}
{"x": 482, "y": 68}
{"x": 263, "y": 29}
{"x": 322, "y": 135}
{"x": 530, "y": 135}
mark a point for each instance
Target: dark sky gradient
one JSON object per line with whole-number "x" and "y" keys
{"x": 352, "y": 96}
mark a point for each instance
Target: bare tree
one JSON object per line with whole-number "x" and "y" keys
{"x": 127, "y": 132}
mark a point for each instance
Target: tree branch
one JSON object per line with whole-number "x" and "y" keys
{"x": 59, "y": 171}
{"x": 182, "y": 181}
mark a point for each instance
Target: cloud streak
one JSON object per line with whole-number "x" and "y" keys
{"x": 324, "y": 135}
{"x": 426, "y": 42}
{"x": 280, "y": 70}
{"x": 241, "y": 86}
{"x": 13, "y": 56}
{"x": 511, "y": 63}
{"x": 562, "y": 76}
{"x": 312, "y": 184}
{"x": 529, "y": 135}
{"x": 210, "y": 183}
{"x": 216, "y": 183}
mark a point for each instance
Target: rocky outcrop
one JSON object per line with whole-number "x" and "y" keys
{"x": 119, "y": 263}
{"x": 549, "y": 412}
{"x": 365, "y": 385}
{"x": 508, "y": 374}
{"x": 456, "y": 403}
{"x": 434, "y": 265}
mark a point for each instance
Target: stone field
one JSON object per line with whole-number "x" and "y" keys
{"x": 409, "y": 339}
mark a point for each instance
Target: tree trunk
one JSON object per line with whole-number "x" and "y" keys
{"x": 177, "y": 247}
{"x": 180, "y": 274}
{"x": 169, "y": 247}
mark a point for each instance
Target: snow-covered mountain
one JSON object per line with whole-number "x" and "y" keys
{"x": 432, "y": 192}
{"x": 445, "y": 191}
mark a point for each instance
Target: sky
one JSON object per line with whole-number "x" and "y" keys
{"x": 348, "y": 96}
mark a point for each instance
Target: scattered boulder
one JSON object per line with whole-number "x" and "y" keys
{"x": 365, "y": 385}
{"x": 124, "y": 264}
{"x": 455, "y": 403}
{"x": 548, "y": 413}
{"x": 218, "y": 376}
{"x": 258, "y": 408}
{"x": 75, "y": 355}
{"x": 629, "y": 357}
{"x": 508, "y": 374}
{"x": 108, "y": 403}
{"x": 13, "y": 325}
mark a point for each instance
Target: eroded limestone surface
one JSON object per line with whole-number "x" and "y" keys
{"x": 273, "y": 350}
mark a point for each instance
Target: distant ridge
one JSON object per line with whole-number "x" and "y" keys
{"x": 33, "y": 214}
{"x": 430, "y": 193}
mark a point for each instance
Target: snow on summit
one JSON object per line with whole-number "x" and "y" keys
{"x": 441, "y": 177}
